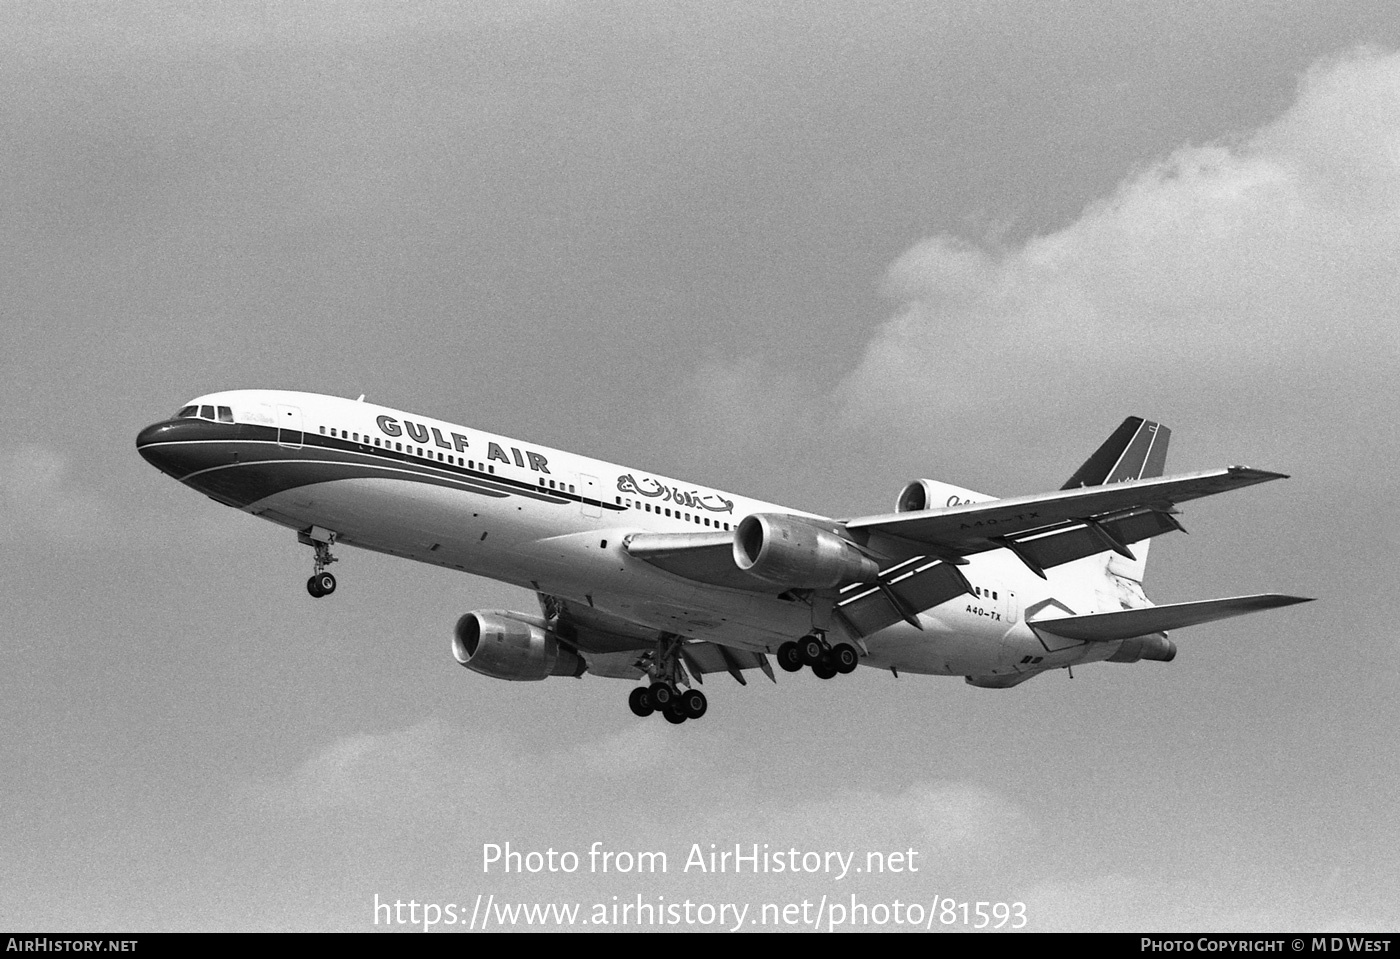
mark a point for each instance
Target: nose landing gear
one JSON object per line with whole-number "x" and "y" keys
{"x": 814, "y": 652}
{"x": 321, "y": 582}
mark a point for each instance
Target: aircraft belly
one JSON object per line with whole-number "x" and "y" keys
{"x": 433, "y": 524}
{"x": 497, "y": 539}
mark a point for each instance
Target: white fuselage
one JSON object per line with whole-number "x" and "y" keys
{"x": 555, "y": 522}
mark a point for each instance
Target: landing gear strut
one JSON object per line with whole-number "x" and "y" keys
{"x": 664, "y": 695}
{"x": 813, "y": 651}
{"x": 321, "y": 582}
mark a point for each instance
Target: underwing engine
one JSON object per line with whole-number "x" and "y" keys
{"x": 513, "y": 646}
{"x": 789, "y": 551}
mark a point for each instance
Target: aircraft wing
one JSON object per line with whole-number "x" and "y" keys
{"x": 1128, "y": 623}
{"x": 924, "y": 548}
{"x": 1052, "y": 528}
{"x": 703, "y": 557}
{"x": 618, "y": 649}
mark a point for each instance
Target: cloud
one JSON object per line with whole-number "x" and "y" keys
{"x": 1241, "y": 275}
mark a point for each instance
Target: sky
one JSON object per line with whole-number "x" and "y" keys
{"x": 803, "y": 252}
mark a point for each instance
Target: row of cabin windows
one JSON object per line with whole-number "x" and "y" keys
{"x": 673, "y": 513}
{"x": 561, "y": 486}
{"x": 224, "y": 414}
{"x": 986, "y": 593}
{"x": 398, "y": 447}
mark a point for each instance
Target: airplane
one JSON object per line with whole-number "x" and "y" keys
{"x": 647, "y": 578}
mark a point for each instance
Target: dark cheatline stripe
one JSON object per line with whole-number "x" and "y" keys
{"x": 186, "y": 449}
{"x": 247, "y": 482}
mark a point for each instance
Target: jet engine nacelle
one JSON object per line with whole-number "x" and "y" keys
{"x": 930, "y": 494}
{"x": 790, "y": 551}
{"x": 515, "y": 646}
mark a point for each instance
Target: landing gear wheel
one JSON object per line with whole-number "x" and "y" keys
{"x": 675, "y": 713}
{"x": 789, "y": 657}
{"x": 325, "y": 582}
{"x": 694, "y": 703}
{"x": 661, "y": 695}
{"x": 313, "y": 588}
{"x": 810, "y": 650}
{"x": 824, "y": 670}
{"x": 844, "y": 657}
{"x": 640, "y": 701}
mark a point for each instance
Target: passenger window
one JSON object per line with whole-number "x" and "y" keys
{"x": 399, "y": 447}
{"x": 323, "y": 431}
{"x": 206, "y": 412}
{"x": 225, "y": 414}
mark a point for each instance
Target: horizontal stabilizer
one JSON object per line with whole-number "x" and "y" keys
{"x": 1127, "y": 623}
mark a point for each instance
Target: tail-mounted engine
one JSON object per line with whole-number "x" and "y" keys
{"x": 514, "y": 646}
{"x": 789, "y": 551}
{"x": 924, "y": 494}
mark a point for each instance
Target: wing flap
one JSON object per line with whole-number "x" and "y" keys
{"x": 904, "y": 591}
{"x": 1065, "y": 545}
{"x": 701, "y": 658}
{"x": 1128, "y": 623}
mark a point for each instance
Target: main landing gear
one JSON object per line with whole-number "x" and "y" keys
{"x": 665, "y": 695}
{"x": 321, "y": 582}
{"x": 814, "y": 651}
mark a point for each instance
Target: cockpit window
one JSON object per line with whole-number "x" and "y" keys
{"x": 187, "y": 412}
{"x": 206, "y": 412}
{"x": 225, "y": 414}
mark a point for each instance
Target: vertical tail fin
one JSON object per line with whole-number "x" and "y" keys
{"x": 1136, "y": 450}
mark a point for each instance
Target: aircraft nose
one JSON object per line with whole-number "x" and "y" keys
{"x": 153, "y": 443}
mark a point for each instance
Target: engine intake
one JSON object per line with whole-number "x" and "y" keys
{"x": 789, "y": 551}
{"x": 513, "y": 646}
{"x": 921, "y": 494}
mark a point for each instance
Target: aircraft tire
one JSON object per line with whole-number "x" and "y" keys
{"x": 845, "y": 658}
{"x": 675, "y": 714}
{"x": 313, "y": 588}
{"x": 661, "y": 695}
{"x": 811, "y": 649}
{"x": 640, "y": 701}
{"x": 824, "y": 670}
{"x": 789, "y": 658}
{"x": 325, "y": 582}
{"x": 694, "y": 703}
